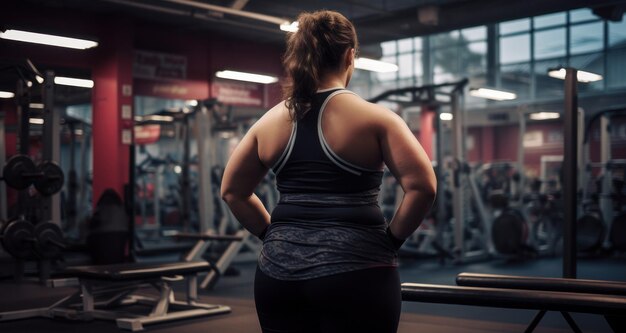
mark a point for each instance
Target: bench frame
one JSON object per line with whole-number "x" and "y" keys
{"x": 102, "y": 299}
{"x": 613, "y": 308}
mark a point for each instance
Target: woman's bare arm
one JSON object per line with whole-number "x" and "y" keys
{"x": 243, "y": 173}
{"x": 408, "y": 162}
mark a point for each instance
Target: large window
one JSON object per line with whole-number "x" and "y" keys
{"x": 523, "y": 51}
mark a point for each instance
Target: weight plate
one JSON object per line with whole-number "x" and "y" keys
{"x": 18, "y": 238}
{"x": 52, "y": 180}
{"x": 15, "y": 170}
{"x": 590, "y": 232}
{"x": 50, "y": 243}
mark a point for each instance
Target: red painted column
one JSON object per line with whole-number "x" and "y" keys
{"x": 487, "y": 144}
{"x": 427, "y": 131}
{"x": 112, "y": 71}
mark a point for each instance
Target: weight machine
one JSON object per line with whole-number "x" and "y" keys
{"x": 21, "y": 238}
{"x": 453, "y": 236}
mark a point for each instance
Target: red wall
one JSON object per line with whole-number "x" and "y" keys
{"x": 110, "y": 65}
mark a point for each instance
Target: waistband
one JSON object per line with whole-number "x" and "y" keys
{"x": 358, "y": 198}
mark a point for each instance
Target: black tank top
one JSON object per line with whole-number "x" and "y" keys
{"x": 308, "y": 165}
{"x": 327, "y": 220}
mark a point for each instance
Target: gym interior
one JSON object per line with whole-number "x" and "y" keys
{"x": 117, "y": 118}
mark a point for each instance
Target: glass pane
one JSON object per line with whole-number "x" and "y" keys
{"x": 583, "y": 14}
{"x": 405, "y": 65}
{"x": 616, "y": 71}
{"x": 516, "y": 78}
{"x": 388, "y": 76}
{"x": 446, "y": 60}
{"x": 418, "y": 69}
{"x": 593, "y": 63}
{"x": 547, "y": 86}
{"x": 476, "y": 33}
{"x": 586, "y": 37}
{"x": 405, "y": 45}
{"x": 474, "y": 58}
{"x": 550, "y": 43}
{"x": 549, "y": 20}
{"x": 417, "y": 43}
{"x": 389, "y": 47}
{"x": 617, "y": 33}
{"x": 381, "y": 87}
{"x": 514, "y": 26}
{"x": 514, "y": 49}
{"x": 445, "y": 39}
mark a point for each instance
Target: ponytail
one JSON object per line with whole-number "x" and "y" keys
{"x": 314, "y": 50}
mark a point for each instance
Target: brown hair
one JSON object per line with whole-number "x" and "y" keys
{"x": 314, "y": 50}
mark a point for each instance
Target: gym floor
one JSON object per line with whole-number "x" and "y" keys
{"x": 237, "y": 291}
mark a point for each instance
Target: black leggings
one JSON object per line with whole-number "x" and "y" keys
{"x": 366, "y": 300}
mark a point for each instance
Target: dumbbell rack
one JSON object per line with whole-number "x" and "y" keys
{"x": 26, "y": 242}
{"x": 23, "y": 240}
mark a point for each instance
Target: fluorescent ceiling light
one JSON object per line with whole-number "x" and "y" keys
{"x": 69, "y": 81}
{"x": 35, "y": 105}
{"x": 36, "y": 121}
{"x": 33, "y": 37}
{"x": 289, "y": 27}
{"x": 494, "y": 94}
{"x": 375, "y": 65}
{"x": 6, "y": 94}
{"x": 544, "y": 115}
{"x": 192, "y": 102}
{"x": 445, "y": 116}
{"x": 582, "y": 76}
{"x": 243, "y": 76}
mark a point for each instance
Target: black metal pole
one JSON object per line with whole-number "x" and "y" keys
{"x": 570, "y": 166}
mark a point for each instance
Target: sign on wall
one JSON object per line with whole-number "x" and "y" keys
{"x": 159, "y": 66}
{"x": 238, "y": 93}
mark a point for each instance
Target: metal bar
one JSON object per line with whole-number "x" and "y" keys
{"x": 458, "y": 194}
{"x": 52, "y": 144}
{"x": 136, "y": 324}
{"x": 88, "y": 299}
{"x": 226, "y": 10}
{"x": 160, "y": 309}
{"x": 205, "y": 192}
{"x": 225, "y": 260}
{"x": 3, "y": 188}
{"x": 533, "y": 324}
{"x": 570, "y": 172}
{"x": 606, "y": 202}
{"x": 571, "y": 322}
{"x": 192, "y": 288}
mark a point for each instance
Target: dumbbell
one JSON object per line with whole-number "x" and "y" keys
{"x": 20, "y": 172}
{"x": 23, "y": 240}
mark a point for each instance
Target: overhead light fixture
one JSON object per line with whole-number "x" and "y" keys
{"x": 192, "y": 102}
{"x": 70, "y": 81}
{"x": 36, "y": 121}
{"x": 39, "y": 79}
{"x": 289, "y": 26}
{"x": 375, "y": 65}
{"x": 6, "y": 94}
{"x": 582, "y": 76}
{"x": 445, "y": 116}
{"x": 544, "y": 115}
{"x": 35, "y": 105}
{"x": 46, "y": 39}
{"x": 497, "y": 95}
{"x": 243, "y": 76}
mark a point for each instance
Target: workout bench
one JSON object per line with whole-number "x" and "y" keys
{"x": 543, "y": 294}
{"x": 104, "y": 288}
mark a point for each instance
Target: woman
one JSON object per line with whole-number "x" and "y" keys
{"x": 328, "y": 262}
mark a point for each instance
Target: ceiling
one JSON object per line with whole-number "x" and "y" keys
{"x": 375, "y": 20}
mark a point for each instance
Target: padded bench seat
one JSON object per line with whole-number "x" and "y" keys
{"x": 132, "y": 271}
{"x": 613, "y": 308}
